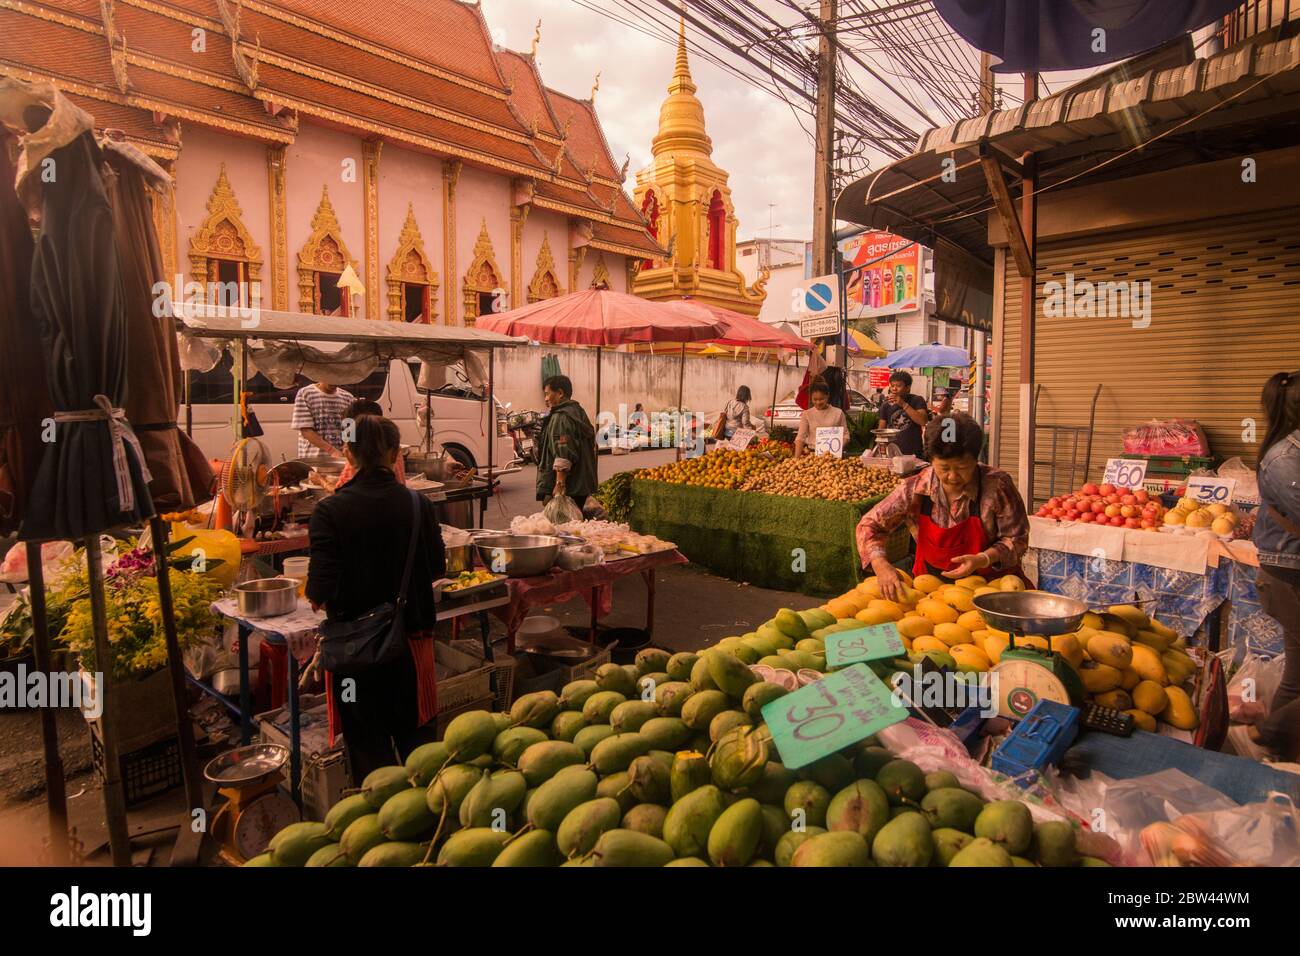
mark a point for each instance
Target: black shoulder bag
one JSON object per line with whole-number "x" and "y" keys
{"x": 377, "y": 636}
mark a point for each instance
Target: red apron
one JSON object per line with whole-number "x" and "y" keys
{"x": 936, "y": 547}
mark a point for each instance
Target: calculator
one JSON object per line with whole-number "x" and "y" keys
{"x": 1108, "y": 720}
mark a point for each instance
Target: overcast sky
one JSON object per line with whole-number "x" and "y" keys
{"x": 755, "y": 136}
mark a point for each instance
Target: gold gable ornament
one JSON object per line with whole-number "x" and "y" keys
{"x": 483, "y": 276}
{"x": 545, "y": 284}
{"x": 223, "y": 235}
{"x": 410, "y": 265}
{"x": 324, "y": 251}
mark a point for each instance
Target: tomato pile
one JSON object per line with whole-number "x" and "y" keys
{"x": 1108, "y": 505}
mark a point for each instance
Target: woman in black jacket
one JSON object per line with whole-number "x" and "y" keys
{"x": 359, "y": 538}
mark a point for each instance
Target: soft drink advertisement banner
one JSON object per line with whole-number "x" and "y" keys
{"x": 891, "y": 283}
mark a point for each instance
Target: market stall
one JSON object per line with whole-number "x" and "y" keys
{"x": 760, "y": 517}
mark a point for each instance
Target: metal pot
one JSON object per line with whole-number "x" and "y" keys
{"x": 460, "y": 558}
{"x": 267, "y": 597}
{"x": 518, "y": 555}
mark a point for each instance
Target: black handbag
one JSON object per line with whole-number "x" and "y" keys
{"x": 377, "y": 636}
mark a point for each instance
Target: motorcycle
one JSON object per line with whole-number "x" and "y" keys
{"x": 524, "y": 428}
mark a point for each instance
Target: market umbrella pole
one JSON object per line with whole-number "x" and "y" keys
{"x": 776, "y": 386}
{"x": 599, "y": 350}
{"x": 119, "y": 841}
{"x": 176, "y": 665}
{"x": 56, "y": 799}
{"x": 681, "y": 387}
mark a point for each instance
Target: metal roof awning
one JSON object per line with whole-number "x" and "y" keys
{"x": 939, "y": 195}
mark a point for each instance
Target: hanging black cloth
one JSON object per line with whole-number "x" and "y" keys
{"x": 1034, "y": 36}
{"x": 837, "y": 382}
{"x": 92, "y": 476}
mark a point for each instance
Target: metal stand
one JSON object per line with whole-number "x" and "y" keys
{"x": 55, "y": 795}
{"x": 1070, "y": 434}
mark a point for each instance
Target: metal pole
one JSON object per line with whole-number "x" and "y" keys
{"x": 176, "y": 666}
{"x": 776, "y": 385}
{"x": 599, "y": 350}
{"x": 681, "y": 389}
{"x": 119, "y": 840}
{"x": 56, "y": 800}
{"x": 492, "y": 412}
{"x": 823, "y": 180}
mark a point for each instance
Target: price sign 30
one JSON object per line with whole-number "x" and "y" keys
{"x": 830, "y": 714}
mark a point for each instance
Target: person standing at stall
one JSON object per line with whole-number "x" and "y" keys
{"x": 359, "y": 542}
{"x": 566, "y": 448}
{"x": 318, "y": 411}
{"x": 906, "y": 412}
{"x": 1277, "y": 539}
{"x": 820, "y": 414}
{"x": 967, "y": 518}
{"x": 737, "y": 412}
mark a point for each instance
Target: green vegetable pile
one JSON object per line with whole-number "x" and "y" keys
{"x": 615, "y": 494}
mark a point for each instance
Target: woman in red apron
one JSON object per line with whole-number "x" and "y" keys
{"x": 967, "y": 518}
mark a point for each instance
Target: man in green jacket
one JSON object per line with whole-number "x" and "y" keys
{"x": 566, "y": 459}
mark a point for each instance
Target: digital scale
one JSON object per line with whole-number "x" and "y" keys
{"x": 1026, "y": 674}
{"x": 255, "y": 809}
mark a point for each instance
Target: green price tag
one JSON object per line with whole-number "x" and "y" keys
{"x": 830, "y": 714}
{"x": 863, "y": 644}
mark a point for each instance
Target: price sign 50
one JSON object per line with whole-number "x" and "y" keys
{"x": 1211, "y": 490}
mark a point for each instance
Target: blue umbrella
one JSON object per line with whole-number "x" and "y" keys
{"x": 933, "y": 355}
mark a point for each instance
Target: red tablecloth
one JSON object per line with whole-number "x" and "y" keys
{"x": 558, "y": 586}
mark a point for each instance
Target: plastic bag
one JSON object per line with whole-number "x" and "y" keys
{"x": 52, "y": 552}
{"x": 561, "y": 509}
{"x": 1130, "y": 806}
{"x": 1257, "y": 834}
{"x": 1246, "y": 489}
{"x": 1174, "y": 436}
{"x": 1252, "y": 685}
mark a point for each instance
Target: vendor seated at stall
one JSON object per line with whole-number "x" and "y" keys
{"x": 967, "y": 518}
{"x": 821, "y": 414}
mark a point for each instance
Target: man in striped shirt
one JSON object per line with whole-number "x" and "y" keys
{"x": 318, "y": 415}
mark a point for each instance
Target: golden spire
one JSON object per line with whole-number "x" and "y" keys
{"x": 681, "y": 118}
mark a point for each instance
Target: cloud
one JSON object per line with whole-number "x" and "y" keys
{"x": 756, "y": 138}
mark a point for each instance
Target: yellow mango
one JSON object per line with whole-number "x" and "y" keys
{"x": 1067, "y": 645}
{"x": 894, "y": 609}
{"x": 907, "y": 643}
{"x": 1118, "y": 699}
{"x": 1010, "y": 583}
{"x": 970, "y": 658}
{"x": 958, "y": 598}
{"x": 1131, "y": 678}
{"x": 1134, "y": 615}
{"x": 977, "y": 638}
{"x": 915, "y": 626}
{"x": 986, "y": 590}
{"x": 906, "y": 578}
{"x": 1107, "y": 647}
{"x": 1033, "y": 640}
{"x": 1178, "y": 666}
{"x": 1142, "y": 720}
{"x": 911, "y": 596}
{"x": 972, "y": 621}
{"x": 869, "y": 587}
{"x": 952, "y": 634}
{"x": 1150, "y": 697}
{"x": 1152, "y": 639}
{"x": 926, "y": 583}
{"x": 1163, "y": 629}
{"x": 994, "y": 644}
{"x": 874, "y": 615}
{"x": 1179, "y": 712}
{"x": 928, "y": 642}
{"x": 973, "y": 583}
{"x": 1147, "y": 662}
{"x": 937, "y": 611}
{"x": 1119, "y": 625}
{"x": 1093, "y": 620}
{"x": 1099, "y": 678}
{"x": 842, "y": 608}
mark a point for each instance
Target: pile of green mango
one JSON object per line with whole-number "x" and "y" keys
{"x": 665, "y": 762}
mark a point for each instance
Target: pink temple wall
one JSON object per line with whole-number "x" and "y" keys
{"x": 414, "y": 179}
{"x": 196, "y": 173}
{"x": 556, "y": 229}
{"x": 481, "y": 195}
{"x": 315, "y": 160}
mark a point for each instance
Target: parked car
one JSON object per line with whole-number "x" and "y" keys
{"x": 787, "y": 413}
{"x": 460, "y": 422}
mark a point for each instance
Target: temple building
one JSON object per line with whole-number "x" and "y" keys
{"x": 306, "y": 137}
{"x": 684, "y": 197}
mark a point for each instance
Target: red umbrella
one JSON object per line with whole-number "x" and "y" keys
{"x": 600, "y": 317}
{"x": 749, "y": 332}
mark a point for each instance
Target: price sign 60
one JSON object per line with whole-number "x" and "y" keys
{"x": 1125, "y": 472}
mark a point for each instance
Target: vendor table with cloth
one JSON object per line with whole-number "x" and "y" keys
{"x": 594, "y": 584}
{"x": 1188, "y": 577}
{"x": 773, "y": 541}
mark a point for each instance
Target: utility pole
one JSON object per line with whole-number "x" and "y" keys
{"x": 986, "y": 84}
{"x": 823, "y": 179}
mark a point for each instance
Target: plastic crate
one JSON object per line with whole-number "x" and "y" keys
{"x": 446, "y": 716}
{"x": 471, "y": 677}
{"x": 146, "y": 771}
{"x": 324, "y": 778}
{"x": 503, "y": 668}
{"x": 587, "y": 669}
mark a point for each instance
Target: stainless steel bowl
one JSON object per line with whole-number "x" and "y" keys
{"x": 518, "y": 555}
{"x": 1031, "y": 612}
{"x": 267, "y": 597}
{"x": 246, "y": 765}
{"x": 459, "y": 558}
{"x": 327, "y": 465}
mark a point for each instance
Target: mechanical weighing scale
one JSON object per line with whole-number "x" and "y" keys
{"x": 255, "y": 809}
{"x": 1027, "y": 674}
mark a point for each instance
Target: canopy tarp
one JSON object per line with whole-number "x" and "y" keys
{"x": 604, "y": 318}
{"x": 751, "y": 333}
{"x": 277, "y": 343}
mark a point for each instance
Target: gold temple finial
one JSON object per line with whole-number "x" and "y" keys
{"x": 682, "y": 74}
{"x": 681, "y": 117}
{"x": 595, "y": 86}
{"x": 537, "y": 36}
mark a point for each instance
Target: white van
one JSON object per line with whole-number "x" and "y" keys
{"x": 460, "y": 419}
